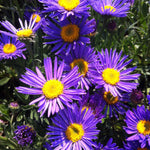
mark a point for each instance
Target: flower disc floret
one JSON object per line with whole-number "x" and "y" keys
{"x": 69, "y": 4}
{"x": 52, "y": 89}
{"x": 70, "y": 33}
{"x": 111, "y": 76}
{"x": 143, "y": 127}
{"x": 38, "y": 18}
{"x": 74, "y": 132}
{"x": 24, "y": 33}
{"x": 9, "y": 48}
{"x": 111, "y": 8}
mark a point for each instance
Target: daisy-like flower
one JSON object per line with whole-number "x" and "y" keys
{"x": 25, "y": 31}
{"x": 55, "y": 90}
{"x": 117, "y": 8}
{"x": 73, "y": 129}
{"x": 67, "y": 34}
{"x": 65, "y": 8}
{"x": 83, "y": 57}
{"x": 112, "y": 73}
{"x": 138, "y": 125}
{"x": 11, "y": 47}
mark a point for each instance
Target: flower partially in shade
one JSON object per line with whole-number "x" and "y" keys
{"x": 11, "y": 47}
{"x": 68, "y": 33}
{"x": 130, "y": 1}
{"x": 56, "y": 89}
{"x": 65, "y": 8}
{"x": 117, "y": 8}
{"x": 148, "y": 97}
{"x": 83, "y": 57}
{"x": 109, "y": 146}
{"x": 73, "y": 129}
{"x": 25, "y": 31}
{"x": 24, "y": 135}
{"x": 47, "y": 146}
{"x": 138, "y": 125}
{"x": 113, "y": 74}
{"x": 14, "y": 105}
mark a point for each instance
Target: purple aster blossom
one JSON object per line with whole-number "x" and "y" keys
{"x": 14, "y": 105}
{"x": 83, "y": 57}
{"x": 109, "y": 146}
{"x": 134, "y": 145}
{"x": 66, "y": 35}
{"x": 65, "y": 8}
{"x": 148, "y": 98}
{"x": 11, "y": 47}
{"x": 56, "y": 89}
{"x": 25, "y": 31}
{"x": 73, "y": 129}
{"x": 130, "y": 1}
{"x": 24, "y": 135}
{"x": 138, "y": 125}
{"x": 112, "y": 73}
{"x": 117, "y": 8}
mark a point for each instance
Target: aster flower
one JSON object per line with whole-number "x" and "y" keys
{"x": 112, "y": 73}
{"x": 83, "y": 57}
{"x": 67, "y": 34}
{"x": 138, "y": 125}
{"x": 11, "y": 47}
{"x": 65, "y": 8}
{"x": 73, "y": 129}
{"x": 24, "y": 135}
{"x": 14, "y": 105}
{"x": 55, "y": 90}
{"x": 117, "y": 8}
{"x": 25, "y": 31}
{"x": 108, "y": 146}
{"x": 130, "y": 1}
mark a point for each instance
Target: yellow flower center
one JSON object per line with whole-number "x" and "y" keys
{"x": 70, "y": 33}
{"x": 109, "y": 98}
{"x": 74, "y": 132}
{"x": 111, "y": 8}
{"x": 9, "y": 48}
{"x": 111, "y": 76}
{"x": 38, "y": 18}
{"x": 69, "y": 4}
{"x": 82, "y": 65}
{"x": 24, "y": 33}
{"x": 142, "y": 149}
{"x": 52, "y": 89}
{"x": 143, "y": 127}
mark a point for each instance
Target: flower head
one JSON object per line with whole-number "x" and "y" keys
{"x": 74, "y": 129}
{"x": 14, "y": 105}
{"x": 67, "y": 34}
{"x": 117, "y": 8}
{"x": 55, "y": 90}
{"x": 65, "y": 8}
{"x": 138, "y": 125}
{"x": 112, "y": 73}
{"x": 25, "y": 31}
{"x": 11, "y": 47}
{"x": 24, "y": 135}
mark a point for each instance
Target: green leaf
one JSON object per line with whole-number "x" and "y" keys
{"x": 4, "y": 81}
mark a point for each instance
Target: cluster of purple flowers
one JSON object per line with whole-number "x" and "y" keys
{"x": 64, "y": 89}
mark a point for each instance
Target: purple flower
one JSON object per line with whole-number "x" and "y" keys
{"x": 14, "y": 105}
{"x": 148, "y": 98}
{"x": 55, "y": 90}
{"x": 73, "y": 129}
{"x": 24, "y": 135}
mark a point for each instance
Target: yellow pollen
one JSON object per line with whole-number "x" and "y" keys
{"x": 142, "y": 149}
{"x": 9, "y": 48}
{"x": 52, "y": 89}
{"x": 82, "y": 65}
{"x": 143, "y": 127}
{"x": 38, "y": 18}
{"x": 109, "y": 98}
{"x": 111, "y": 76}
{"x": 83, "y": 108}
{"x": 69, "y": 4}
{"x": 111, "y": 8}
{"x": 24, "y": 33}
{"x": 70, "y": 33}
{"x": 74, "y": 132}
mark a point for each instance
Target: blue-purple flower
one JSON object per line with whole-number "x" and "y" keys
{"x": 73, "y": 129}
{"x": 67, "y": 34}
{"x": 24, "y": 135}
{"x": 117, "y": 8}
{"x": 113, "y": 74}
{"x": 148, "y": 97}
{"x": 65, "y": 8}
{"x": 11, "y": 47}
{"x": 56, "y": 89}
{"x": 138, "y": 125}
{"x": 47, "y": 146}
